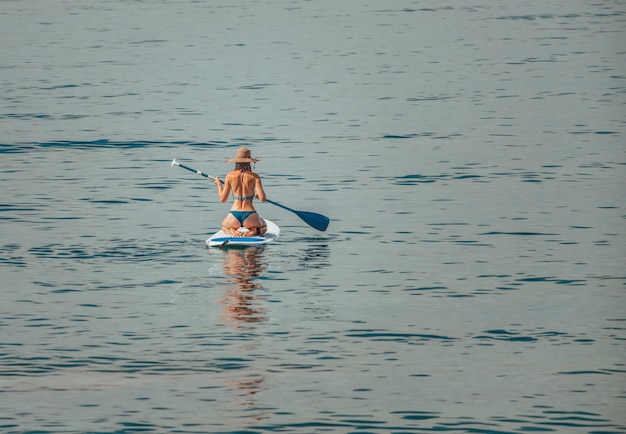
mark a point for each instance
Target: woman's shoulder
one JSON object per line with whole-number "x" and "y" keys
{"x": 237, "y": 174}
{"x": 251, "y": 173}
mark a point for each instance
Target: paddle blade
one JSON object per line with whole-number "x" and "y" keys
{"x": 316, "y": 221}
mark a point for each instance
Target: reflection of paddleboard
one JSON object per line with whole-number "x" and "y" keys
{"x": 220, "y": 239}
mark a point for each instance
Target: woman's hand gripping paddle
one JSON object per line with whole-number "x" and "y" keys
{"x": 315, "y": 220}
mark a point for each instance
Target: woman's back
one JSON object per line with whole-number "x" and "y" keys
{"x": 243, "y": 184}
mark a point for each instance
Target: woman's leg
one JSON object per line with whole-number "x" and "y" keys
{"x": 255, "y": 224}
{"x": 230, "y": 226}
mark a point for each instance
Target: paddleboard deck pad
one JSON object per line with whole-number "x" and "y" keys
{"x": 220, "y": 239}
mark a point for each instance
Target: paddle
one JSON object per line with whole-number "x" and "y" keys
{"x": 316, "y": 221}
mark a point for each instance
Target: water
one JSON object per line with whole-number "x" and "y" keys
{"x": 471, "y": 158}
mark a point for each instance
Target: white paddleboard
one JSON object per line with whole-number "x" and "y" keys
{"x": 220, "y": 239}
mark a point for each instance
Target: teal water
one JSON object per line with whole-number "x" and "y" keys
{"x": 471, "y": 159}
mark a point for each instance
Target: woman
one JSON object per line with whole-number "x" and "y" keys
{"x": 245, "y": 185}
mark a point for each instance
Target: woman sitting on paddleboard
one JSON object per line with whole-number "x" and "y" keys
{"x": 245, "y": 185}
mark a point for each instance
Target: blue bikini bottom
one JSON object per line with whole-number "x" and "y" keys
{"x": 242, "y": 215}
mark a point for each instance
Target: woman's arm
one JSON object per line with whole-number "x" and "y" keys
{"x": 223, "y": 192}
{"x": 260, "y": 193}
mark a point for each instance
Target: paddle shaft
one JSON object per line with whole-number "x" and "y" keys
{"x": 197, "y": 172}
{"x": 280, "y": 205}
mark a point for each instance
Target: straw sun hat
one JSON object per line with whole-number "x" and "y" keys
{"x": 243, "y": 156}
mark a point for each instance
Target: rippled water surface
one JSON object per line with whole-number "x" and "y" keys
{"x": 471, "y": 158}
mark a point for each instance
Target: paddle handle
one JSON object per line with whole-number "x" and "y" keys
{"x": 197, "y": 172}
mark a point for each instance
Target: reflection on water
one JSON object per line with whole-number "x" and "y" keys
{"x": 240, "y": 303}
{"x": 245, "y": 389}
{"x": 241, "y": 309}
